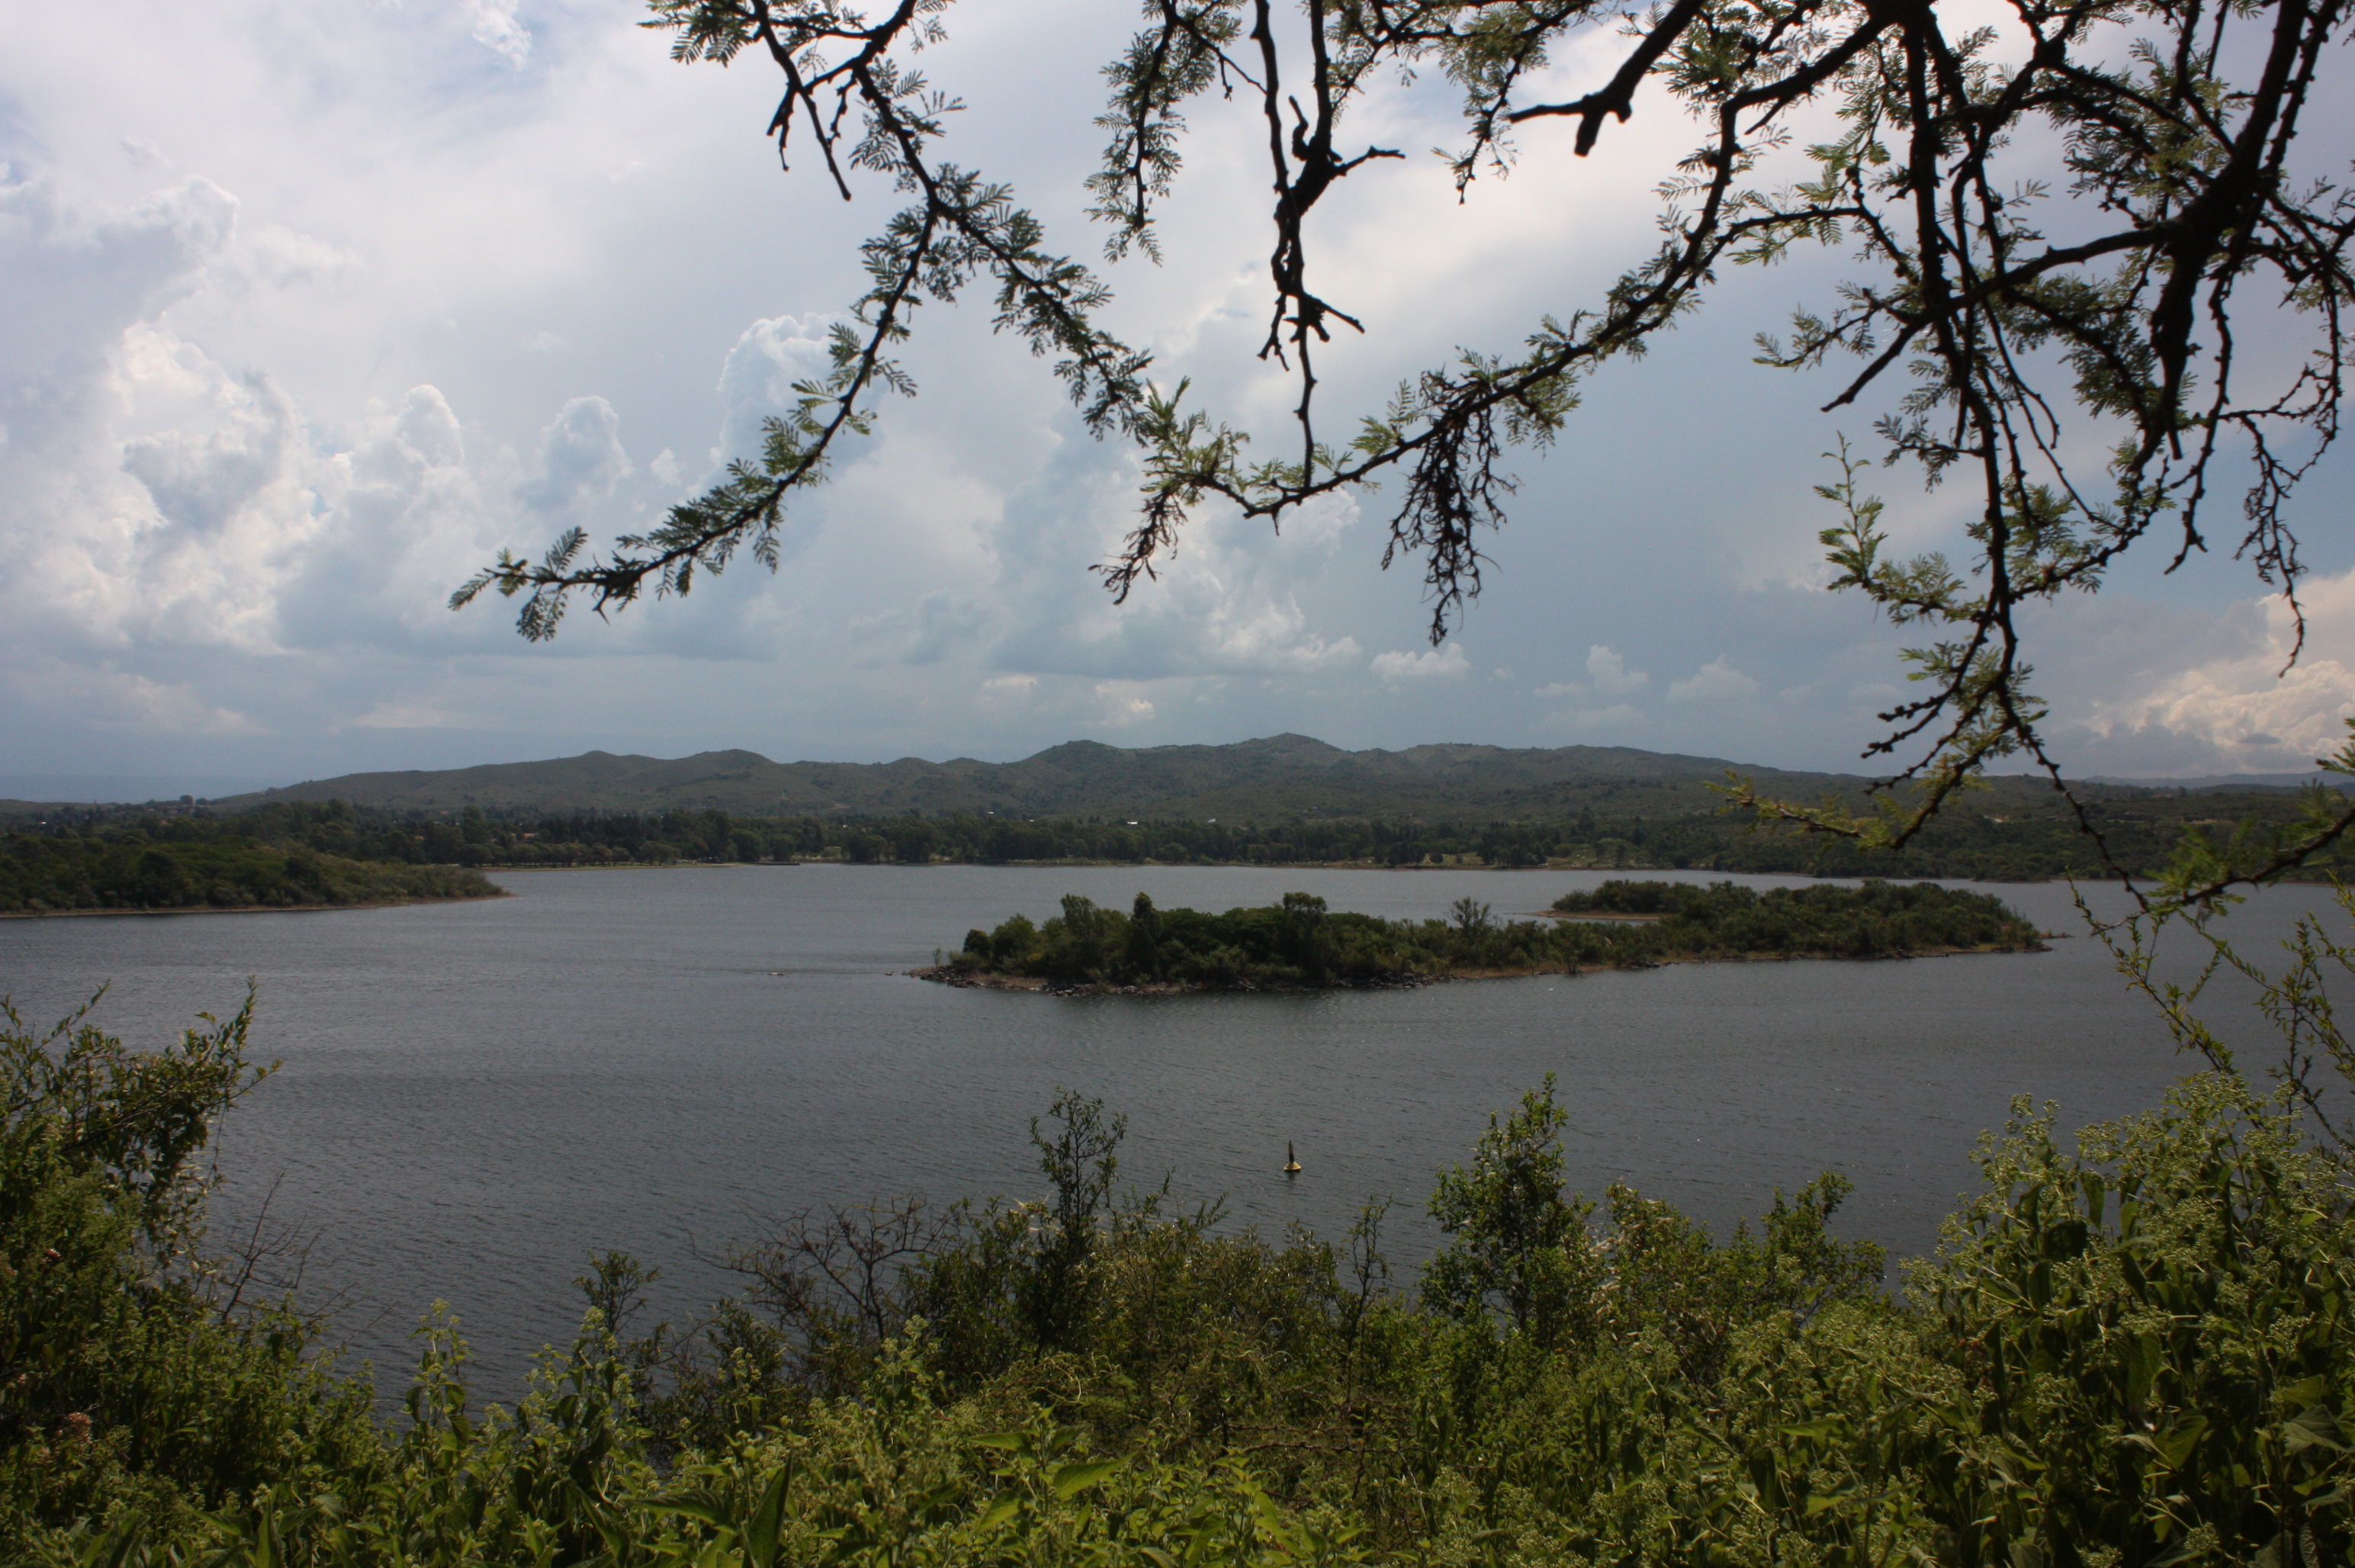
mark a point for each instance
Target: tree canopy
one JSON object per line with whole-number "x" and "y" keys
{"x": 2061, "y": 217}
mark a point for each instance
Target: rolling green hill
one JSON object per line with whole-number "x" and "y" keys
{"x": 1279, "y": 774}
{"x": 1283, "y": 800}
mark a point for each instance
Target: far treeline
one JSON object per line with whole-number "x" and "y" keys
{"x": 1299, "y": 944}
{"x": 2140, "y": 832}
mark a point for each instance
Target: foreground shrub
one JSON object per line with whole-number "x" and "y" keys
{"x": 133, "y": 1376}
{"x": 2134, "y": 1352}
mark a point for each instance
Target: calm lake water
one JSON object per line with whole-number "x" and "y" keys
{"x": 473, "y": 1096}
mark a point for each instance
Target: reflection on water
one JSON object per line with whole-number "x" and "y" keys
{"x": 475, "y": 1095}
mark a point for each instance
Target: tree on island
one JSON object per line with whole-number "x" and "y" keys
{"x": 2060, "y": 224}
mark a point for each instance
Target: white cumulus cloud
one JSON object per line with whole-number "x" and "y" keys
{"x": 1716, "y": 681}
{"x": 581, "y": 457}
{"x": 756, "y": 381}
{"x": 2238, "y": 710}
{"x": 1607, "y": 677}
{"x": 495, "y": 27}
{"x": 1449, "y": 663}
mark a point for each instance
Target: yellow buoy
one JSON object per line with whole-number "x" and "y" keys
{"x": 1291, "y": 1162}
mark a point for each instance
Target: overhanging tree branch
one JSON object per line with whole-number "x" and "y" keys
{"x": 2002, "y": 354}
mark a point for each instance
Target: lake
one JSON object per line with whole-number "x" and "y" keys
{"x": 474, "y": 1095}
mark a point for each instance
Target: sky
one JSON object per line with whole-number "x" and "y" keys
{"x": 313, "y": 307}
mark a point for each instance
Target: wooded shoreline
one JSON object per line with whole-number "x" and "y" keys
{"x": 2023, "y": 841}
{"x": 257, "y": 909}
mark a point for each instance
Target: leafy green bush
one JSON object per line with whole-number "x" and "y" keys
{"x": 131, "y": 1375}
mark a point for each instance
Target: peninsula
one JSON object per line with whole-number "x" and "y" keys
{"x": 1300, "y": 945}
{"x": 176, "y": 869}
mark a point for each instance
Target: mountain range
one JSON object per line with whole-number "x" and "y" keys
{"x": 1274, "y": 776}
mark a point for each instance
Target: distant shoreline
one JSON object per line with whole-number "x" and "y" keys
{"x": 1705, "y": 872}
{"x": 249, "y": 909}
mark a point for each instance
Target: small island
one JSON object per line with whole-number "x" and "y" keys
{"x": 1299, "y": 944}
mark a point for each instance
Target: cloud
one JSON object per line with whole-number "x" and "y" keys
{"x": 2227, "y": 704}
{"x": 757, "y": 379}
{"x": 1607, "y": 677}
{"x": 156, "y": 497}
{"x": 496, "y": 29}
{"x": 276, "y": 257}
{"x": 1008, "y": 693}
{"x": 939, "y": 624}
{"x": 199, "y": 482}
{"x": 178, "y": 522}
{"x": 1123, "y": 703}
{"x": 305, "y": 322}
{"x": 1716, "y": 681}
{"x": 399, "y": 508}
{"x": 124, "y": 531}
{"x": 581, "y": 457}
{"x": 1610, "y": 675}
{"x": 404, "y": 716}
{"x": 172, "y": 707}
{"x": 2287, "y": 722}
{"x": 1232, "y": 603}
{"x": 78, "y": 278}
{"x": 1599, "y": 705}
{"x": 1449, "y": 663}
